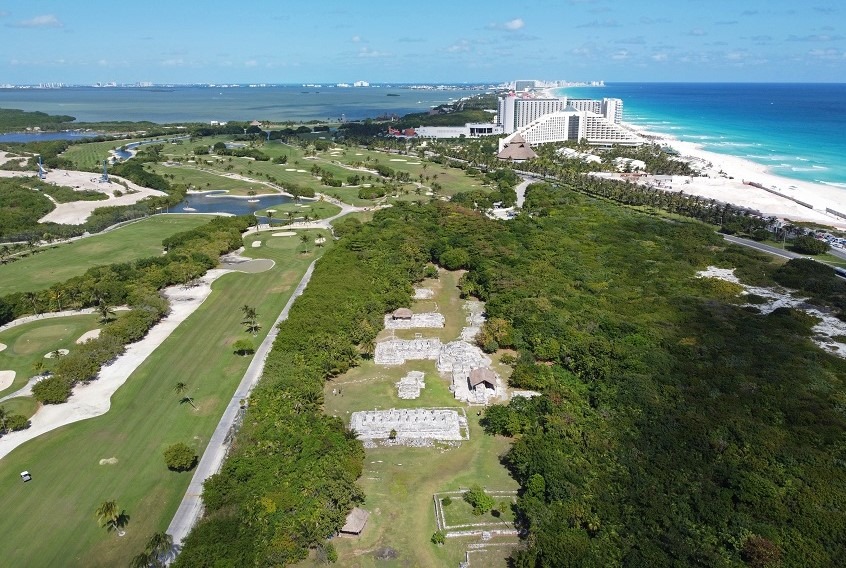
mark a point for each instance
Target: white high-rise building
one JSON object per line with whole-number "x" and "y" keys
{"x": 515, "y": 112}
{"x": 571, "y": 124}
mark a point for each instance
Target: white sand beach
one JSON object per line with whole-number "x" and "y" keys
{"x": 723, "y": 178}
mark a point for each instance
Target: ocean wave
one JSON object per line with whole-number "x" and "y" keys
{"x": 832, "y": 183}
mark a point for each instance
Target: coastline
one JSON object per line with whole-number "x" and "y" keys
{"x": 723, "y": 178}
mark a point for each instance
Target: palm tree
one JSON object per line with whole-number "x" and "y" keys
{"x": 156, "y": 554}
{"x": 180, "y": 388}
{"x": 109, "y": 515}
{"x": 106, "y": 312}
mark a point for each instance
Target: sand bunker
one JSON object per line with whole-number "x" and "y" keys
{"x": 93, "y": 334}
{"x": 302, "y": 171}
{"x": 290, "y": 169}
{"x": 256, "y": 244}
{"x": 303, "y": 206}
{"x": 6, "y": 379}
{"x": 2, "y": 346}
{"x": 285, "y": 234}
{"x": 398, "y": 160}
{"x": 108, "y": 461}
{"x": 52, "y": 354}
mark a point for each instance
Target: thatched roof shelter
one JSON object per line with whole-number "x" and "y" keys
{"x": 355, "y": 521}
{"x": 517, "y": 150}
{"x": 482, "y": 376}
{"x": 402, "y": 314}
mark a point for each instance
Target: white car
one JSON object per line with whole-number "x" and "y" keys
{"x": 25, "y": 476}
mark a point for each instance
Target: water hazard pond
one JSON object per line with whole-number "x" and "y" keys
{"x": 220, "y": 202}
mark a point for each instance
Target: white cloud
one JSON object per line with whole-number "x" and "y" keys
{"x": 461, "y": 46}
{"x": 515, "y": 24}
{"x": 659, "y": 57}
{"x": 355, "y": 39}
{"x": 175, "y": 62}
{"x": 45, "y": 21}
{"x": 250, "y": 63}
{"x": 509, "y": 26}
{"x": 367, "y": 52}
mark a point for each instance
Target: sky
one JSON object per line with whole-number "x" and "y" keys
{"x": 281, "y": 41}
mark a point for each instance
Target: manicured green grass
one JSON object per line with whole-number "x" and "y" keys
{"x": 68, "y": 481}
{"x": 200, "y": 180}
{"x": 25, "y": 406}
{"x": 60, "y": 262}
{"x": 90, "y": 156}
{"x": 28, "y": 343}
{"x": 337, "y": 160}
{"x": 314, "y": 210}
{"x": 400, "y": 481}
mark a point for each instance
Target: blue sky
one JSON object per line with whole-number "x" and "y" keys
{"x": 434, "y": 41}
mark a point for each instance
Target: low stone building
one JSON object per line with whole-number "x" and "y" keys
{"x": 409, "y": 424}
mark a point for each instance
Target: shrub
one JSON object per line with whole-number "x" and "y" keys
{"x": 52, "y": 390}
{"x": 439, "y": 538}
{"x": 180, "y": 457}
{"x": 479, "y": 500}
{"x": 15, "y": 422}
{"x": 809, "y": 245}
{"x": 446, "y": 501}
{"x": 243, "y": 347}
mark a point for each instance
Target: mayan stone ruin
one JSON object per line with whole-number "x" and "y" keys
{"x": 417, "y": 423}
{"x": 431, "y": 319}
{"x": 409, "y": 386}
{"x": 398, "y": 351}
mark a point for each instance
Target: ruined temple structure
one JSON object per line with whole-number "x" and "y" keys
{"x": 404, "y": 319}
{"x": 409, "y": 386}
{"x": 416, "y": 423}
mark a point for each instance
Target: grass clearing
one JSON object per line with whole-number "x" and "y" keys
{"x": 68, "y": 480}
{"x": 57, "y": 263}
{"x": 400, "y": 481}
{"x": 201, "y": 180}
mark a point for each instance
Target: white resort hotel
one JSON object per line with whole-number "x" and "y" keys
{"x": 543, "y": 120}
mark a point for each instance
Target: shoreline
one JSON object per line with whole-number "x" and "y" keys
{"x": 723, "y": 177}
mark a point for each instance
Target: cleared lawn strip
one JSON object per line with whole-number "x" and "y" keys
{"x": 400, "y": 481}
{"x": 60, "y": 262}
{"x": 145, "y": 417}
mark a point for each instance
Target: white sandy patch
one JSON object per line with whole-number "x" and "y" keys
{"x": 826, "y": 329}
{"x": 303, "y": 206}
{"x": 108, "y": 461}
{"x": 359, "y": 154}
{"x": 398, "y": 160}
{"x": 302, "y": 171}
{"x": 290, "y": 169}
{"x": 726, "y": 274}
{"x": 52, "y": 354}
{"x": 256, "y": 244}
{"x": 76, "y": 212}
{"x": 94, "y": 399}
{"x": 285, "y": 234}
{"x": 93, "y": 334}
{"x": 319, "y": 240}
{"x": 413, "y": 163}
{"x": 423, "y": 293}
{"x": 6, "y": 379}
{"x": 2, "y": 346}
{"x": 715, "y": 184}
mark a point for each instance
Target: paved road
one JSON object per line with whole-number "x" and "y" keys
{"x": 762, "y": 247}
{"x": 191, "y": 507}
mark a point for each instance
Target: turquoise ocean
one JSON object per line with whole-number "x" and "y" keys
{"x": 796, "y": 130}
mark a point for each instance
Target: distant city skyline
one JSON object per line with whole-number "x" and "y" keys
{"x": 53, "y": 41}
